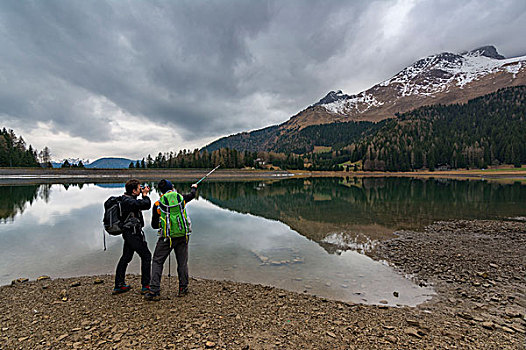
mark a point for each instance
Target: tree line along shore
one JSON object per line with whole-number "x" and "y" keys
{"x": 508, "y": 171}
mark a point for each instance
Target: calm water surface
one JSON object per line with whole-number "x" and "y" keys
{"x": 301, "y": 235}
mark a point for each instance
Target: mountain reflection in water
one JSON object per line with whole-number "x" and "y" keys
{"x": 341, "y": 213}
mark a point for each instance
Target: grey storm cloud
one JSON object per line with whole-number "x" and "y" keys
{"x": 210, "y": 68}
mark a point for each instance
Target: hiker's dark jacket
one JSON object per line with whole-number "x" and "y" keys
{"x": 155, "y": 213}
{"x": 133, "y": 205}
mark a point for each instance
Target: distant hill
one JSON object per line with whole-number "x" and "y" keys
{"x": 102, "y": 163}
{"x": 110, "y": 163}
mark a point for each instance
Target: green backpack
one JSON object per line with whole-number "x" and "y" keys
{"x": 172, "y": 216}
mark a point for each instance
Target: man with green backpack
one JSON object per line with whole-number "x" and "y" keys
{"x": 169, "y": 216}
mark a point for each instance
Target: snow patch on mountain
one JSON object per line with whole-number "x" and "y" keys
{"x": 427, "y": 77}
{"x": 360, "y": 103}
{"x": 437, "y": 73}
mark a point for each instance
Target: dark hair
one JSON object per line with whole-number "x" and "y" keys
{"x": 165, "y": 185}
{"x": 131, "y": 185}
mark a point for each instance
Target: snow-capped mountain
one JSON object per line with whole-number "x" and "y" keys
{"x": 443, "y": 78}
{"x": 58, "y": 164}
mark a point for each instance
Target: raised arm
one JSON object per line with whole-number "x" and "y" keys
{"x": 189, "y": 196}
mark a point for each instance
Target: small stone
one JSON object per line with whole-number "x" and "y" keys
{"x": 45, "y": 286}
{"x": 396, "y": 294}
{"x": 512, "y": 313}
{"x": 63, "y": 336}
{"x": 210, "y": 344}
{"x": 506, "y": 329}
{"x": 98, "y": 281}
{"x": 412, "y": 331}
{"x": 465, "y": 316}
{"x": 331, "y": 334}
{"x": 389, "y": 328}
{"x": 383, "y": 302}
{"x": 412, "y": 322}
{"x": 23, "y": 338}
{"x": 282, "y": 295}
{"x": 488, "y": 325}
{"x": 517, "y": 329}
{"x": 5, "y": 329}
{"x": 391, "y": 338}
{"x": 42, "y": 278}
{"x": 75, "y": 284}
{"x": 495, "y": 266}
{"x": 482, "y": 274}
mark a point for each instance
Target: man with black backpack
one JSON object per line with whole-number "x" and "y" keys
{"x": 169, "y": 216}
{"x": 134, "y": 240}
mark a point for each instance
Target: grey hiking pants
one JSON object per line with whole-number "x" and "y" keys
{"x": 162, "y": 250}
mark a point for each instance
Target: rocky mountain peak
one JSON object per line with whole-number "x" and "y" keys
{"x": 487, "y": 51}
{"x": 332, "y": 96}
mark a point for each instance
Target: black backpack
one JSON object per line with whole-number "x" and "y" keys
{"x": 112, "y": 220}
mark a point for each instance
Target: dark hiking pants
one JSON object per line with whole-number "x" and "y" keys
{"x": 162, "y": 250}
{"x": 134, "y": 243}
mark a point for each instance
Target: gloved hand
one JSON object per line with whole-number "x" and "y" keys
{"x": 194, "y": 185}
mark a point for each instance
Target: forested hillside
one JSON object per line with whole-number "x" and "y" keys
{"x": 254, "y": 141}
{"x": 335, "y": 135}
{"x": 488, "y": 130}
{"x": 13, "y": 151}
{"x": 272, "y": 139}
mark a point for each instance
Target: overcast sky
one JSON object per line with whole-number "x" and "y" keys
{"x": 128, "y": 78}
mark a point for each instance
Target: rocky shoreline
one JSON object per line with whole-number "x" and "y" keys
{"x": 478, "y": 269}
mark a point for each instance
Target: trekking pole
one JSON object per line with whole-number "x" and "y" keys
{"x": 204, "y": 177}
{"x": 169, "y": 268}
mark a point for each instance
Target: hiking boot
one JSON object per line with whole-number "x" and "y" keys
{"x": 121, "y": 289}
{"x": 145, "y": 290}
{"x": 152, "y": 296}
{"x": 182, "y": 291}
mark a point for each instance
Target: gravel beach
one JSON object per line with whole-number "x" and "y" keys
{"x": 478, "y": 269}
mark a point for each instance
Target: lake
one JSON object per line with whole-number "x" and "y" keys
{"x": 305, "y": 235}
